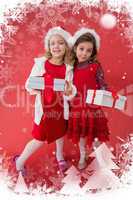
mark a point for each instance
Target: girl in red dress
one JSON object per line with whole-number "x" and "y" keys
{"x": 87, "y": 123}
{"x": 49, "y": 123}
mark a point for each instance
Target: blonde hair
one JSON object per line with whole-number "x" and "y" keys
{"x": 66, "y": 58}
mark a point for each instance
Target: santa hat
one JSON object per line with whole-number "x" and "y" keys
{"x": 60, "y": 31}
{"x": 83, "y": 31}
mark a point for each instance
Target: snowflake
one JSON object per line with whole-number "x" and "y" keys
{"x": 6, "y": 74}
{"x": 28, "y": 7}
{"x": 2, "y": 30}
{"x": 11, "y": 30}
{"x": 11, "y": 41}
{"x": 129, "y": 33}
{"x": 33, "y": 27}
{"x": 6, "y": 36}
{"x": 2, "y": 48}
{"x": 123, "y": 20}
{"x": 85, "y": 5}
{"x": 92, "y": 14}
{"x": 125, "y": 155}
{"x": 50, "y": 15}
{"x": 15, "y": 14}
{"x": 77, "y": 7}
{"x": 115, "y": 4}
{"x": 8, "y": 53}
{"x": 88, "y": 12}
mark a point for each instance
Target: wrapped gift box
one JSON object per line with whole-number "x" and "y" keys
{"x": 105, "y": 98}
{"x": 36, "y": 83}
{"x": 59, "y": 84}
{"x": 39, "y": 83}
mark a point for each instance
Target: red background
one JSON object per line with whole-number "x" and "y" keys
{"x": 27, "y": 43}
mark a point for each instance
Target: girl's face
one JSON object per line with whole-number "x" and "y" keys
{"x": 84, "y": 51}
{"x": 57, "y": 46}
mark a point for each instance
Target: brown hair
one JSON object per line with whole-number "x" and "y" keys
{"x": 87, "y": 37}
{"x": 66, "y": 58}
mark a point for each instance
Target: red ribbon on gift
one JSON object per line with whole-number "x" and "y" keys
{"x": 125, "y": 94}
{"x": 115, "y": 96}
{"x": 93, "y": 97}
{"x": 48, "y": 90}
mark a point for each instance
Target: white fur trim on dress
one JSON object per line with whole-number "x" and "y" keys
{"x": 66, "y": 109}
{"x": 54, "y": 31}
{"x": 83, "y": 31}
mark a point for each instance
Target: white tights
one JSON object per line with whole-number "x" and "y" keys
{"x": 33, "y": 146}
{"x": 82, "y": 149}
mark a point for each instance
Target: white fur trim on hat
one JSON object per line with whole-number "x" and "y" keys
{"x": 86, "y": 30}
{"x": 54, "y": 31}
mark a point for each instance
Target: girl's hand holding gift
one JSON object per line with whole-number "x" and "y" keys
{"x": 70, "y": 91}
{"x": 36, "y": 91}
{"x": 68, "y": 88}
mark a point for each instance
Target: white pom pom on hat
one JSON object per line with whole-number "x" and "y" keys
{"x": 57, "y": 31}
{"x": 84, "y": 31}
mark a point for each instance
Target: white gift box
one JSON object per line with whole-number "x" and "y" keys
{"x": 36, "y": 83}
{"x": 105, "y": 98}
{"x": 39, "y": 83}
{"x": 59, "y": 84}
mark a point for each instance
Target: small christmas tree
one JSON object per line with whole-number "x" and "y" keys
{"x": 72, "y": 181}
{"x": 103, "y": 148}
{"x": 21, "y": 186}
{"x": 103, "y": 177}
{"x": 103, "y": 159}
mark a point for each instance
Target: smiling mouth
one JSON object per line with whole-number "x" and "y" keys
{"x": 56, "y": 51}
{"x": 83, "y": 58}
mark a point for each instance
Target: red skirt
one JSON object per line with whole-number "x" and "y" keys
{"x": 52, "y": 125}
{"x": 87, "y": 122}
